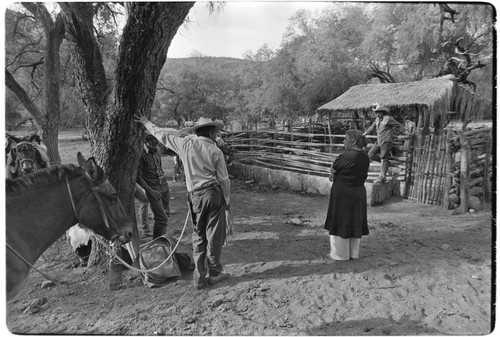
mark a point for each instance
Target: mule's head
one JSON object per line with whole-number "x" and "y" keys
{"x": 25, "y": 154}
{"x": 102, "y": 211}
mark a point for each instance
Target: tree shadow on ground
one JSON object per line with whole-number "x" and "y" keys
{"x": 372, "y": 327}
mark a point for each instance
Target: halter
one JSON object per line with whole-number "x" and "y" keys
{"x": 26, "y": 159}
{"x": 99, "y": 202}
{"x": 21, "y": 161}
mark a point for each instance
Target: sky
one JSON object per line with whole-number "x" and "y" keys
{"x": 241, "y": 26}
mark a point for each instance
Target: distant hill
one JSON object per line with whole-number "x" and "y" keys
{"x": 224, "y": 65}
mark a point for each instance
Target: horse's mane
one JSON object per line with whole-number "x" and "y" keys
{"x": 46, "y": 176}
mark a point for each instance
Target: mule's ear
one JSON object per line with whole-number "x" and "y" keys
{"x": 94, "y": 170}
{"x": 82, "y": 162}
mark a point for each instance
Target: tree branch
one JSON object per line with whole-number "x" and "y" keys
{"x": 23, "y": 97}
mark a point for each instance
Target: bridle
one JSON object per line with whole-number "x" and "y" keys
{"x": 105, "y": 218}
{"x": 95, "y": 191}
{"x": 25, "y": 159}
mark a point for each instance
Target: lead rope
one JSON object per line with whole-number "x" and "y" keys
{"x": 33, "y": 267}
{"x": 111, "y": 251}
{"x": 107, "y": 246}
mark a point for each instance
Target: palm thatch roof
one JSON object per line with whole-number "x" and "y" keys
{"x": 436, "y": 95}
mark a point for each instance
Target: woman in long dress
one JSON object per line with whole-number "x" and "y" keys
{"x": 346, "y": 219}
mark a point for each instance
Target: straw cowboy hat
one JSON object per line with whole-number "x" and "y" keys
{"x": 379, "y": 108}
{"x": 203, "y": 121}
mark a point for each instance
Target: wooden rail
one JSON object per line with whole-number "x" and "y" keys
{"x": 307, "y": 153}
{"x": 436, "y": 169}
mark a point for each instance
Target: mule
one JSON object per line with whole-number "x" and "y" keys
{"x": 25, "y": 158}
{"x": 41, "y": 206}
{"x": 11, "y": 141}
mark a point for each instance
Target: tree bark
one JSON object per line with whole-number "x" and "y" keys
{"x": 116, "y": 140}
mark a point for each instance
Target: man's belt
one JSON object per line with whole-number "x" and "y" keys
{"x": 205, "y": 187}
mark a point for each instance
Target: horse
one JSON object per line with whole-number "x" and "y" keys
{"x": 80, "y": 241}
{"x": 70, "y": 195}
{"x": 226, "y": 151}
{"x": 11, "y": 141}
{"x": 24, "y": 158}
{"x": 178, "y": 167}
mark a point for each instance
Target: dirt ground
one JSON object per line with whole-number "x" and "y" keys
{"x": 421, "y": 272}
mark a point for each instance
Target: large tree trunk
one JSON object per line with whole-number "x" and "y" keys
{"x": 116, "y": 140}
{"x": 49, "y": 117}
{"x": 51, "y": 125}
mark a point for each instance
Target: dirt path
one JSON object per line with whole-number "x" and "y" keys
{"x": 421, "y": 272}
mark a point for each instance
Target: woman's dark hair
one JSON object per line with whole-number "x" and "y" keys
{"x": 358, "y": 137}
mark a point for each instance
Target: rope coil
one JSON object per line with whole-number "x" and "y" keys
{"x": 114, "y": 255}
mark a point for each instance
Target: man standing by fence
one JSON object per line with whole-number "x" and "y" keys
{"x": 384, "y": 125}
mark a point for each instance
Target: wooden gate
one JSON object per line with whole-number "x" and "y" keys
{"x": 428, "y": 170}
{"x": 442, "y": 169}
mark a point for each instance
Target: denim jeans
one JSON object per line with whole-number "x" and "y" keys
{"x": 140, "y": 196}
{"x": 378, "y": 152}
{"x": 161, "y": 211}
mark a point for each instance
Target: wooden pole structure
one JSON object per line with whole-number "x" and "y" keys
{"x": 448, "y": 171}
{"x": 410, "y": 143}
{"x": 464, "y": 172}
{"x": 330, "y": 132}
{"x": 486, "y": 173}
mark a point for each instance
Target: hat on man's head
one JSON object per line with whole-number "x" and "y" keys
{"x": 382, "y": 109}
{"x": 203, "y": 121}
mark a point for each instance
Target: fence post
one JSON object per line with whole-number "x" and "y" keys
{"x": 410, "y": 142}
{"x": 464, "y": 172}
{"x": 448, "y": 171}
{"x": 486, "y": 173}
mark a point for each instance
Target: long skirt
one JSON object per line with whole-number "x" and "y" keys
{"x": 347, "y": 215}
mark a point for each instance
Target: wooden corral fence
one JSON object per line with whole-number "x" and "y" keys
{"x": 431, "y": 168}
{"x": 305, "y": 153}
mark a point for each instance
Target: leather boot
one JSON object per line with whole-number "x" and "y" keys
{"x": 383, "y": 172}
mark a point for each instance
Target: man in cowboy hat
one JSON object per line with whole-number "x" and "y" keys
{"x": 207, "y": 182}
{"x": 384, "y": 125}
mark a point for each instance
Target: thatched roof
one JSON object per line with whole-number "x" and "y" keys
{"x": 437, "y": 95}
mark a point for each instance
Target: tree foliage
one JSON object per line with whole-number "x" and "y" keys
{"x": 320, "y": 57}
